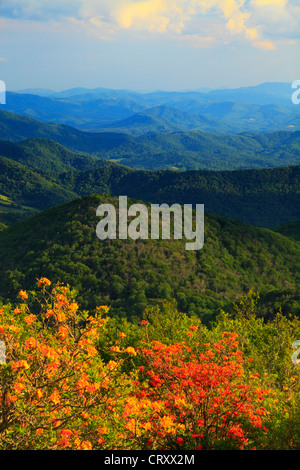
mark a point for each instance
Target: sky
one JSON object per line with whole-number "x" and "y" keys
{"x": 146, "y": 45}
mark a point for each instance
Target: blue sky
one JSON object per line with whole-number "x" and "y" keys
{"x": 148, "y": 44}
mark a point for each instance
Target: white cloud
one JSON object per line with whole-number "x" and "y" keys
{"x": 261, "y": 22}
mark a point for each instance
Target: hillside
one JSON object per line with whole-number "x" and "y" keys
{"x": 16, "y": 128}
{"x": 24, "y": 192}
{"x": 165, "y": 119}
{"x": 264, "y": 198}
{"x": 46, "y": 174}
{"x": 61, "y": 243}
{"x": 47, "y": 155}
{"x": 290, "y": 229}
{"x": 182, "y": 150}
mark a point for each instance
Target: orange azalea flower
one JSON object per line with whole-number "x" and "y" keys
{"x": 130, "y": 350}
{"x": 23, "y": 294}
{"x": 122, "y": 335}
{"x": 30, "y": 343}
{"x": 102, "y": 307}
{"x": 10, "y": 398}
{"x": 20, "y": 365}
{"x": 86, "y": 445}
{"x": 64, "y": 442}
{"x": 29, "y": 319}
{"x": 112, "y": 365}
{"x": 19, "y": 387}
{"x": 55, "y": 397}
{"x": 91, "y": 350}
{"x": 74, "y": 307}
{"x": 66, "y": 432}
{"x": 44, "y": 282}
{"x": 63, "y": 332}
{"x": 17, "y": 310}
{"x": 61, "y": 317}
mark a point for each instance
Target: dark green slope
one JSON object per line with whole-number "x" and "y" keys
{"x": 290, "y": 229}
{"x": 16, "y": 128}
{"x": 61, "y": 244}
{"x": 263, "y": 198}
{"x": 23, "y": 191}
{"x": 47, "y": 155}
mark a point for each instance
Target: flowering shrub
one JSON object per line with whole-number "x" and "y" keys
{"x": 60, "y": 390}
{"x": 55, "y": 391}
{"x": 193, "y": 400}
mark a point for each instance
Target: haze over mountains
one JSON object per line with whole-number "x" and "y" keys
{"x": 263, "y": 108}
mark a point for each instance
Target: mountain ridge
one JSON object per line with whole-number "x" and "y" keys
{"x": 182, "y": 150}
{"x": 61, "y": 243}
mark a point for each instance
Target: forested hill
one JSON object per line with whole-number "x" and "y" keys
{"x": 290, "y": 229}
{"x": 61, "y": 243}
{"x": 181, "y": 150}
{"x": 47, "y": 156}
{"x": 41, "y": 174}
{"x": 263, "y": 198}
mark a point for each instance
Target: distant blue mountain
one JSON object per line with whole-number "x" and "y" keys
{"x": 263, "y": 108}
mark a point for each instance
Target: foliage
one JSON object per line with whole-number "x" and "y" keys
{"x": 56, "y": 393}
{"x": 65, "y": 386}
{"x": 61, "y": 243}
{"x": 39, "y": 173}
{"x": 290, "y": 229}
{"x": 187, "y": 150}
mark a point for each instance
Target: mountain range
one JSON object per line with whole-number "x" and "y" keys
{"x": 175, "y": 150}
{"x": 235, "y": 151}
{"x": 38, "y": 173}
{"x": 262, "y": 108}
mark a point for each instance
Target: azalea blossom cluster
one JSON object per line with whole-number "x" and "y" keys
{"x": 57, "y": 391}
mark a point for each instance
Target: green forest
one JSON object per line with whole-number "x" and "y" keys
{"x": 61, "y": 243}
{"x": 166, "y": 348}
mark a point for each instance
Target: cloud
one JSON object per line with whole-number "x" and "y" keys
{"x": 136, "y": 13}
{"x": 276, "y": 19}
{"x": 260, "y": 22}
{"x": 265, "y": 45}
